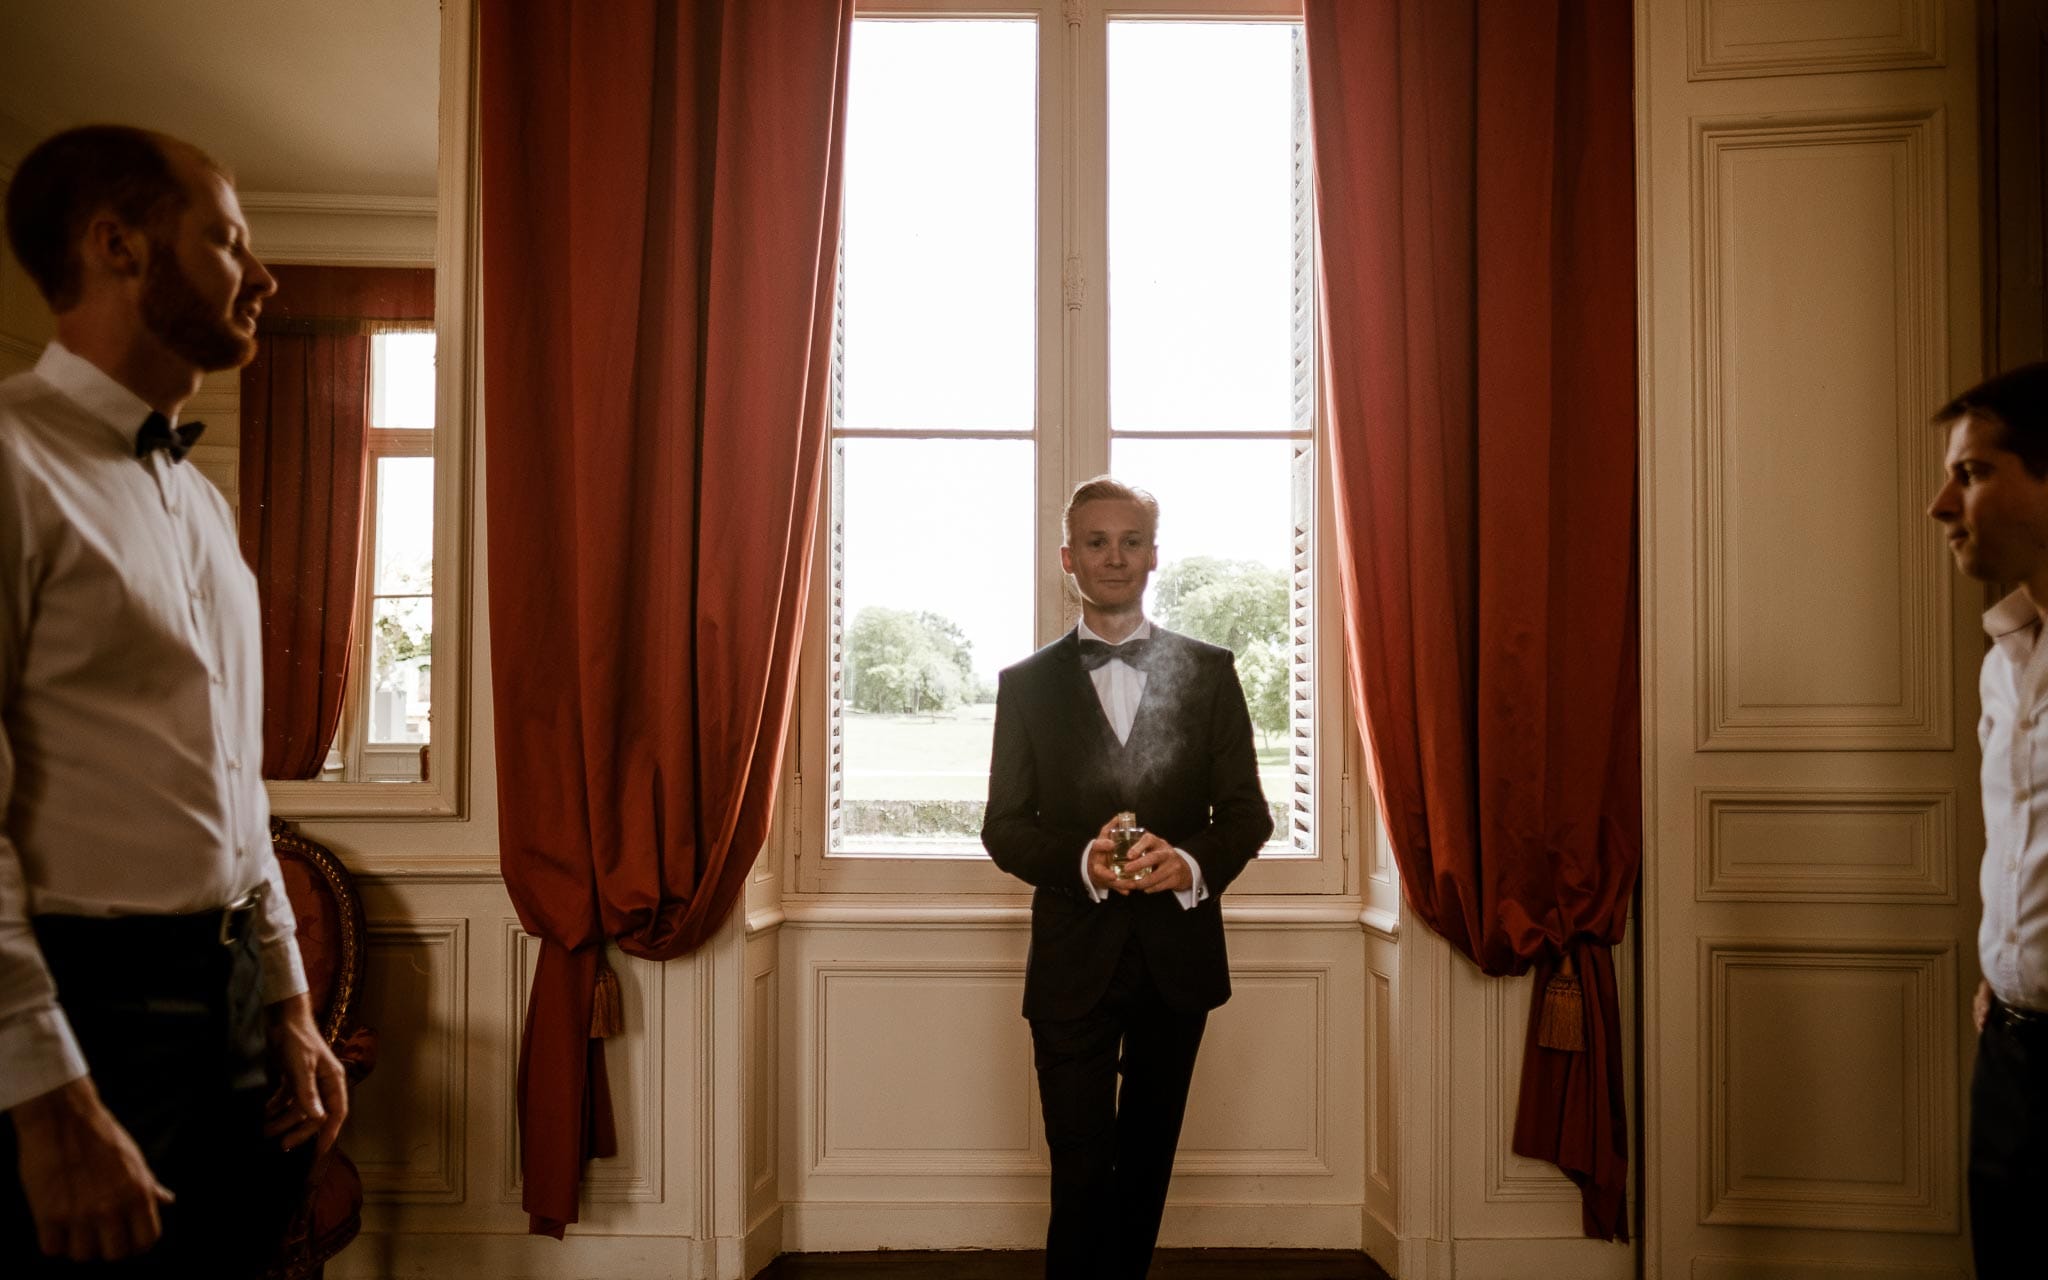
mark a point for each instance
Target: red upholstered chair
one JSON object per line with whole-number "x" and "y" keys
{"x": 331, "y": 941}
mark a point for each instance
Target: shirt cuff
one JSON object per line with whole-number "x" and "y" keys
{"x": 1087, "y": 881}
{"x": 1196, "y": 891}
{"x": 284, "y": 973}
{"x": 277, "y": 937}
{"x": 38, "y": 1053}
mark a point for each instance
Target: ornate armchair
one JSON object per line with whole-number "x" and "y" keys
{"x": 331, "y": 941}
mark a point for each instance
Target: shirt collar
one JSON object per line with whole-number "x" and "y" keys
{"x": 1143, "y": 632}
{"x": 2011, "y": 614}
{"x": 2012, "y": 625}
{"x": 93, "y": 390}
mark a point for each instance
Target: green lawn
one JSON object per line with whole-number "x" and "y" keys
{"x": 945, "y": 756}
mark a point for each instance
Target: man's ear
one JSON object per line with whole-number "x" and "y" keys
{"x": 1067, "y": 559}
{"x": 113, "y": 248}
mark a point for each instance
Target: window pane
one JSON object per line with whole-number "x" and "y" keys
{"x": 1234, "y": 528}
{"x": 932, "y": 564}
{"x": 402, "y": 381}
{"x": 1208, "y": 227}
{"x": 941, "y": 210}
{"x": 401, "y": 657}
{"x": 405, "y": 526}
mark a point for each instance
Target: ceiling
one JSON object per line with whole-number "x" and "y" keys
{"x": 301, "y": 96}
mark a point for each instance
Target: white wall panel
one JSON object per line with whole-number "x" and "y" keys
{"x": 1822, "y": 347}
{"x": 923, "y": 1068}
{"x": 1261, "y": 1094}
{"x": 1739, "y": 38}
{"x": 1833, "y": 1097}
{"x": 1836, "y": 844}
{"x": 406, "y": 1130}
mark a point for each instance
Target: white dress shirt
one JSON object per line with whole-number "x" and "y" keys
{"x": 131, "y": 700}
{"x": 2012, "y": 687}
{"x": 1120, "y": 687}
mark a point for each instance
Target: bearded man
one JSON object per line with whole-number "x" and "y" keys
{"x": 163, "y": 1082}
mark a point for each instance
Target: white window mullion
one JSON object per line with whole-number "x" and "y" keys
{"x": 1082, "y": 157}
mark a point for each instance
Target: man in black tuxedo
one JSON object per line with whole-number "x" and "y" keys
{"x": 1120, "y": 715}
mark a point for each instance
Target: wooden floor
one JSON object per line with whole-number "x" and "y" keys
{"x": 1167, "y": 1264}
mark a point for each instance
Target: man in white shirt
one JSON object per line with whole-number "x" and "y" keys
{"x": 1120, "y": 715}
{"x": 149, "y": 979}
{"x": 1994, "y": 507}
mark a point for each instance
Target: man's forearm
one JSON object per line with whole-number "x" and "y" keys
{"x": 38, "y": 1053}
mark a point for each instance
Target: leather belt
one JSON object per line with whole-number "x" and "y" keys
{"x": 146, "y": 933}
{"x": 2015, "y": 1018}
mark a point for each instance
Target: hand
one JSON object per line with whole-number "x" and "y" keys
{"x": 92, "y": 1194}
{"x": 1102, "y": 872}
{"x": 1156, "y": 867}
{"x": 1980, "y": 1004}
{"x": 312, "y": 1095}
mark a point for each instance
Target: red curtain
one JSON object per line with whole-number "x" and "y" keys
{"x": 305, "y": 420}
{"x": 1474, "y": 166}
{"x": 661, "y": 221}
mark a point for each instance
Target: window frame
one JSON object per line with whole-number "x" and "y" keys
{"x": 352, "y": 739}
{"x": 1073, "y": 442}
{"x": 441, "y": 233}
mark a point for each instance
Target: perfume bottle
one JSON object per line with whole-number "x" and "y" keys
{"x": 1125, "y": 832}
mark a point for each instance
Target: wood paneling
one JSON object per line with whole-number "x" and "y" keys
{"x": 1822, "y": 345}
{"x": 1833, "y": 1099}
{"x": 1741, "y": 38}
{"x": 406, "y": 1125}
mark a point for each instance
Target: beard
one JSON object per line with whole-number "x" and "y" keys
{"x": 190, "y": 326}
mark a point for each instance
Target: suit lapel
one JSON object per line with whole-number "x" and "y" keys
{"x": 1087, "y": 704}
{"x": 1164, "y": 683}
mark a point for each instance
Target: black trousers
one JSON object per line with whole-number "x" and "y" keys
{"x": 2009, "y": 1147}
{"x": 171, "y": 1021}
{"x": 1112, "y": 1151}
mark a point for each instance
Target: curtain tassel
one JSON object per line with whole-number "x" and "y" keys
{"x": 607, "y": 1014}
{"x": 1563, "y": 1024}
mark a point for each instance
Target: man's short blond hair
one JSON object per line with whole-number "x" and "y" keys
{"x": 1107, "y": 489}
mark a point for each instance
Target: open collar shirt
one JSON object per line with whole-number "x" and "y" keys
{"x": 2012, "y": 688}
{"x": 131, "y": 701}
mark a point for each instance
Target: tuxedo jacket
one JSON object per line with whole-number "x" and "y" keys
{"x": 1057, "y": 773}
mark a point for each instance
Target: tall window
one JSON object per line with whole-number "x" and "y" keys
{"x": 1211, "y": 363}
{"x": 388, "y": 723}
{"x": 934, "y": 434}
{"x": 1072, "y": 246}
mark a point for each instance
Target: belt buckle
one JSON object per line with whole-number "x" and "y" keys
{"x": 247, "y": 902}
{"x": 2014, "y": 1016}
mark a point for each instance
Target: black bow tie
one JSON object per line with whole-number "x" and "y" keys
{"x": 1096, "y": 652}
{"x": 158, "y": 433}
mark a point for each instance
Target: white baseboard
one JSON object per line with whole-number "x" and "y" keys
{"x": 829, "y": 1227}
{"x": 832, "y": 1227}
{"x": 764, "y": 1241}
{"x": 1423, "y": 1260}
{"x": 1379, "y": 1242}
{"x": 1553, "y": 1259}
{"x": 459, "y": 1255}
{"x": 838, "y": 1227}
{"x": 1260, "y": 1226}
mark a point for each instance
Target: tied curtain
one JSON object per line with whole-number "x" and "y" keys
{"x": 660, "y": 192}
{"x": 1475, "y": 185}
{"x": 305, "y": 423}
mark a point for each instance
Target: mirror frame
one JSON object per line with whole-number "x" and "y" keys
{"x": 301, "y": 230}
